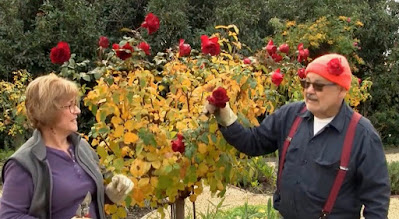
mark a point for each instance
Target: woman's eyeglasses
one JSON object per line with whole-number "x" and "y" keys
{"x": 316, "y": 86}
{"x": 72, "y": 107}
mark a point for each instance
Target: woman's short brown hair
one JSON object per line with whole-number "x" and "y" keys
{"x": 45, "y": 96}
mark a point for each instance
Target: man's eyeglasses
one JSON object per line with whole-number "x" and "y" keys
{"x": 316, "y": 86}
{"x": 72, "y": 107}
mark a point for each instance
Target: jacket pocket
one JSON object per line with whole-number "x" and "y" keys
{"x": 323, "y": 177}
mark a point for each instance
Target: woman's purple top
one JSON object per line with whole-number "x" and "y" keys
{"x": 70, "y": 186}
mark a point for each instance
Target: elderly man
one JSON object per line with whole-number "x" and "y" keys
{"x": 318, "y": 176}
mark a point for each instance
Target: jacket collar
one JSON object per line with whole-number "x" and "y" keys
{"x": 39, "y": 148}
{"x": 339, "y": 120}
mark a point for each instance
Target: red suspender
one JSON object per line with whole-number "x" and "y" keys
{"x": 345, "y": 156}
{"x": 287, "y": 142}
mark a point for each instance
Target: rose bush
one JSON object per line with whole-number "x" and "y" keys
{"x": 150, "y": 125}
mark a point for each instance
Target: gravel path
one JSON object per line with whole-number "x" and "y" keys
{"x": 237, "y": 197}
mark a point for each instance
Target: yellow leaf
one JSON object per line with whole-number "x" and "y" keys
{"x": 193, "y": 197}
{"x": 154, "y": 181}
{"x": 161, "y": 87}
{"x": 139, "y": 168}
{"x": 138, "y": 195}
{"x": 202, "y": 148}
{"x": 202, "y": 169}
{"x": 203, "y": 117}
{"x": 121, "y": 212}
{"x": 221, "y": 26}
{"x": 186, "y": 82}
{"x": 235, "y": 28}
{"x": 125, "y": 151}
{"x": 110, "y": 209}
{"x": 94, "y": 142}
{"x": 213, "y": 127}
{"x": 143, "y": 182}
{"x": 130, "y": 138}
{"x": 129, "y": 125}
{"x": 156, "y": 164}
{"x": 118, "y": 131}
{"x": 220, "y": 185}
{"x": 116, "y": 120}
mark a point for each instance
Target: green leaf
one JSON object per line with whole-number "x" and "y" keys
{"x": 115, "y": 148}
{"x": 164, "y": 182}
{"x": 118, "y": 164}
{"x": 147, "y": 137}
{"x": 139, "y": 149}
{"x": 104, "y": 130}
{"x": 204, "y": 138}
{"x": 214, "y": 138}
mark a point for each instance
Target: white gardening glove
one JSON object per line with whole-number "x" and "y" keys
{"x": 119, "y": 187}
{"x": 225, "y": 116}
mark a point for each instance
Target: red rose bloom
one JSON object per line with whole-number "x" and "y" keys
{"x": 219, "y": 97}
{"x": 334, "y": 67}
{"x": 284, "y": 48}
{"x": 184, "y": 48}
{"x": 103, "y": 42}
{"x": 210, "y": 45}
{"x": 301, "y": 73}
{"x": 303, "y": 54}
{"x": 276, "y": 57}
{"x": 271, "y": 48}
{"x": 151, "y": 22}
{"x": 61, "y": 53}
{"x": 123, "y": 53}
{"x": 178, "y": 144}
{"x": 247, "y": 61}
{"x": 145, "y": 47}
{"x": 277, "y": 77}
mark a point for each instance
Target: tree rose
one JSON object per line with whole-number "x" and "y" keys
{"x": 301, "y": 73}
{"x": 210, "y": 45}
{"x": 123, "y": 53}
{"x": 178, "y": 144}
{"x": 303, "y": 54}
{"x": 277, "y": 77}
{"x": 151, "y": 22}
{"x": 219, "y": 97}
{"x": 276, "y": 57}
{"x": 271, "y": 48}
{"x": 184, "y": 48}
{"x": 284, "y": 48}
{"x": 61, "y": 53}
{"x": 145, "y": 47}
{"x": 103, "y": 42}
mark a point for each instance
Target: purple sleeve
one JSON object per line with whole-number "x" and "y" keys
{"x": 17, "y": 192}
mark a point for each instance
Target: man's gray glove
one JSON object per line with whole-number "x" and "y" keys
{"x": 225, "y": 116}
{"x": 119, "y": 187}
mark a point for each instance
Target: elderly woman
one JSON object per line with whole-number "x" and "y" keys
{"x": 51, "y": 175}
